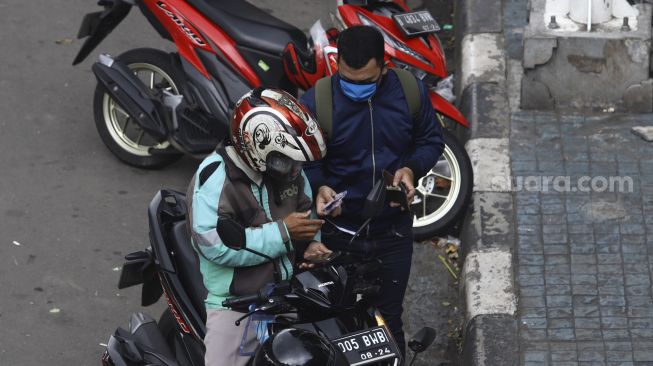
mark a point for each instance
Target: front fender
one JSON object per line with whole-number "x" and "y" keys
{"x": 443, "y": 106}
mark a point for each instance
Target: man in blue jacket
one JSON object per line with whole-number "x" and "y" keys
{"x": 373, "y": 130}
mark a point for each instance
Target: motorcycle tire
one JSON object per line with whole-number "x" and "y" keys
{"x": 455, "y": 165}
{"x": 123, "y": 138}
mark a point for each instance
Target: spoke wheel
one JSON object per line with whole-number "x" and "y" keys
{"x": 443, "y": 193}
{"x": 437, "y": 191}
{"x": 119, "y": 131}
{"x": 124, "y": 131}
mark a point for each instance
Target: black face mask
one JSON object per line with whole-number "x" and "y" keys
{"x": 282, "y": 168}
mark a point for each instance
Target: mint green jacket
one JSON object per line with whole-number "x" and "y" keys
{"x": 224, "y": 186}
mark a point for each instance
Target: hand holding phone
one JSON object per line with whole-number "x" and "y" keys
{"x": 398, "y": 193}
{"x": 335, "y": 202}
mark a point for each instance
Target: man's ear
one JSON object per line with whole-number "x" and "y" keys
{"x": 385, "y": 67}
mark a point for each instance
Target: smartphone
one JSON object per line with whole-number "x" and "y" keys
{"x": 335, "y": 202}
{"x": 395, "y": 193}
{"x": 335, "y": 254}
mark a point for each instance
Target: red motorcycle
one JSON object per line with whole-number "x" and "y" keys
{"x": 151, "y": 107}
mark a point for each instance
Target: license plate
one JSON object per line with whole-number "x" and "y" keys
{"x": 416, "y": 23}
{"x": 371, "y": 345}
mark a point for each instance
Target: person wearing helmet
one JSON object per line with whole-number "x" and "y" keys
{"x": 372, "y": 129}
{"x": 255, "y": 178}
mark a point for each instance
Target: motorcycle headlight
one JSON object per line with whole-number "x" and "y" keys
{"x": 379, "y": 319}
{"x": 392, "y": 41}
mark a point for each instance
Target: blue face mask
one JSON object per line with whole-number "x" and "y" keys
{"x": 358, "y": 92}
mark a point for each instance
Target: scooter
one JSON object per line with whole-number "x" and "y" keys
{"x": 151, "y": 107}
{"x": 328, "y": 303}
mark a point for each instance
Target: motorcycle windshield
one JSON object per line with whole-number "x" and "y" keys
{"x": 319, "y": 34}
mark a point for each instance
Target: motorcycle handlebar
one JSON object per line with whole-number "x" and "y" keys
{"x": 261, "y": 296}
{"x": 240, "y": 301}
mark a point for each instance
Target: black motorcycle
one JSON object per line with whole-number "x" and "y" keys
{"x": 325, "y": 307}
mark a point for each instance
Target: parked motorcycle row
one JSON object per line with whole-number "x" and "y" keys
{"x": 152, "y": 107}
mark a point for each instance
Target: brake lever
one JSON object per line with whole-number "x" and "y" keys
{"x": 271, "y": 304}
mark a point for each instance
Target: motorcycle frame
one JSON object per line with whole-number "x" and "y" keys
{"x": 181, "y": 22}
{"x": 164, "y": 211}
{"x": 158, "y": 277}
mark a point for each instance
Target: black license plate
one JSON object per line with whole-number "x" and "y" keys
{"x": 371, "y": 345}
{"x": 416, "y": 23}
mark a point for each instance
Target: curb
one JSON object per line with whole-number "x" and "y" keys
{"x": 490, "y": 334}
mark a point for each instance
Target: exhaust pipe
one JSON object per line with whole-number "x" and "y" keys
{"x": 132, "y": 95}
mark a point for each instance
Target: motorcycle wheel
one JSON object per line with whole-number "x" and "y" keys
{"x": 122, "y": 136}
{"x": 442, "y": 195}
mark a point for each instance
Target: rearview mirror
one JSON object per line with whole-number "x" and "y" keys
{"x": 375, "y": 201}
{"x": 232, "y": 233}
{"x": 422, "y": 339}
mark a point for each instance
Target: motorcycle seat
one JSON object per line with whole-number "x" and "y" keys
{"x": 188, "y": 267}
{"x": 250, "y": 26}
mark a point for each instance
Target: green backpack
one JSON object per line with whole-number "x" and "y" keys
{"x": 324, "y": 98}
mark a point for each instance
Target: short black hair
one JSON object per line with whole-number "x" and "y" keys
{"x": 359, "y": 44}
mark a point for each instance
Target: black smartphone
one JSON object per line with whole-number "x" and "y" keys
{"x": 396, "y": 193}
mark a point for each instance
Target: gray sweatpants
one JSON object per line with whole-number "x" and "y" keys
{"x": 223, "y": 339}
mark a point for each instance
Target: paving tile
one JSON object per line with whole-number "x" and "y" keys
{"x": 562, "y": 334}
{"x": 561, "y": 323}
{"x": 643, "y": 351}
{"x": 557, "y": 290}
{"x": 562, "y": 312}
{"x": 614, "y": 322}
{"x": 616, "y": 334}
{"x": 564, "y": 355}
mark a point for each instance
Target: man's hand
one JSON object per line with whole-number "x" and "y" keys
{"x": 405, "y": 176}
{"x": 301, "y": 227}
{"x": 324, "y": 195}
{"x": 316, "y": 252}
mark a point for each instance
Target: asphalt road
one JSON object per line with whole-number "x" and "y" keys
{"x": 69, "y": 210}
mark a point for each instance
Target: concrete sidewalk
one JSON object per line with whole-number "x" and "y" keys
{"x": 583, "y": 258}
{"x": 576, "y": 288}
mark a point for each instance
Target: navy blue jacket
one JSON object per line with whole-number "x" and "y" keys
{"x": 370, "y": 136}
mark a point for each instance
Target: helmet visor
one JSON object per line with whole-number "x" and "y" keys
{"x": 282, "y": 168}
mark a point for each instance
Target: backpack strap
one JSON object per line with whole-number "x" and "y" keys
{"x": 324, "y": 99}
{"x": 324, "y": 105}
{"x": 411, "y": 91}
